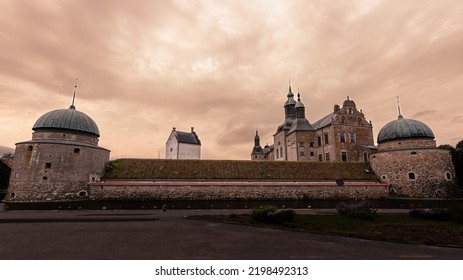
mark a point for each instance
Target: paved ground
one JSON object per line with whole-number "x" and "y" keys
{"x": 153, "y": 234}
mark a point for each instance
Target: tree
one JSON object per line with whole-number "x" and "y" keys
{"x": 459, "y": 146}
{"x": 8, "y": 156}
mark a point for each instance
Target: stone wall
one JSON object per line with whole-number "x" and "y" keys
{"x": 419, "y": 172}
{"x": 54, "y": 171}
{"x": 245, "y": 191}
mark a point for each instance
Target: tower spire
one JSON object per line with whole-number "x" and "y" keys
{"x": 74, "y": 96}
{"x": 398, "y": 107}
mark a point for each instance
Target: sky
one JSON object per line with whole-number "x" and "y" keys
{"x": 223, "y": 67}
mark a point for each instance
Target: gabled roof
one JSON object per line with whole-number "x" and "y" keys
{"x": 300, "y": 124}
{"x": 186, "y": 137}
{"x": 327, "y": 120}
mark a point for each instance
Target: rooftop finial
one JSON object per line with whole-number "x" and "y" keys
{"x": 289, "y": 84}
{"x": 74, "y": 96}
{"x": 298, "y": 94}
{"x": 398, "y": 107}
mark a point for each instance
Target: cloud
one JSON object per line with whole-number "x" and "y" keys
{"x": 223, "y": 67}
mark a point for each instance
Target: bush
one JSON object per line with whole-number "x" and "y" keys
{"x": 454, "y": 213}
{"x": 271, "y": 214}
{"x": 362, "y": 210}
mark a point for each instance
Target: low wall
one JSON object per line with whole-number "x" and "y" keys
{"x": 213, "y": 191}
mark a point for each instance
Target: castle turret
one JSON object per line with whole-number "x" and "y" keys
{"x": 60, "y": 160}
{"x": 409, "y": 161}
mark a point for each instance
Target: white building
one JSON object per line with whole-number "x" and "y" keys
{"x": 183, "y": 145}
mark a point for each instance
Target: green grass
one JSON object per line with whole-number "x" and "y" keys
{"x": 387, "y": 227}
{"x": 237, "y": 170}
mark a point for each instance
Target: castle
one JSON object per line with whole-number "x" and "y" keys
{"x": 63, "y": 161}
{"x": 342, "y": 135}
{"x": 406, "y": 158}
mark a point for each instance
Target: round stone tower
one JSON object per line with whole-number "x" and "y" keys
{"x": 409, "y": 161}
{"x": 60, "y": 160}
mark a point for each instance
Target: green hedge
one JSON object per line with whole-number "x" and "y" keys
{"x": 238, "y": 170}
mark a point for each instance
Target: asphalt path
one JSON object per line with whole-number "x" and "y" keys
{"x": 158, "y": 235}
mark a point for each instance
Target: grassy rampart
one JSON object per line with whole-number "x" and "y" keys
{"x": 146, "y": 169}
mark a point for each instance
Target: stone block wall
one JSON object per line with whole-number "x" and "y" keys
{"x": 50, "y": 171}
{"x": 254, "y": 191}
{"x": 419, "y": 172}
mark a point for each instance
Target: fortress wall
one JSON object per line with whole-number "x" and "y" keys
{"x": 251, "y": 191}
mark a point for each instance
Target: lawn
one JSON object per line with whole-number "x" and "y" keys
{"x": 387, "y": 227}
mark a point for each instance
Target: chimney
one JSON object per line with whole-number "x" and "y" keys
{"x": 173, "y": 128}
{"x": 192, "y": 129}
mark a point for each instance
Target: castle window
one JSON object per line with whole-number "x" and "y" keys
{"x": 13, "y": 195}
{"x": 352, "y": 137}
{"x": 255, "y": 156}
{"x": 44, "y": 178}
{"x": 171, "y": 149}
{"x": 359, "y": 120}
{"x": 281, "y": 151}
{"x": 47, "y": 165}
{"x": 343, "y": 156}
{"x": 411, "y": 176}
{"x": 301, "y": 154}
{"x": 301, "y": 144}
{"x": 448, "y": 176}
{"x": 312, "y": 154}
{"x": 326, "y": 139}
{"x": 319, "y": 141}
{"x": 365, "y": 156}
{"x": 342, "y": 137}
{"x": 320, "y": 157}
{"x": 76, "y": 150}
{"x": 29, "y": 148}
{"x": 83, "y": 193}
{"x": 384, "y": 177}
{"x": 327, "y": 156}
{"x": 311, "y": 145}
{"x": 413, "y": 153}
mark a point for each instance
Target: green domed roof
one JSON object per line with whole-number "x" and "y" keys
{"x": 69, "y": 119}
{"x": 404, "y": 128}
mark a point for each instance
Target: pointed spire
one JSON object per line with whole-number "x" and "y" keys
{"x": 398, "y": 107}
{"x": 289, "y": 82}
{"x": 74, "y": 96}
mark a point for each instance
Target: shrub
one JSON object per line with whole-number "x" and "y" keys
{"x": 362, "y": 210}
{"x": 271, "y": 214}
{"x": 264, "y": 214}
{"x": 454, "y": 213}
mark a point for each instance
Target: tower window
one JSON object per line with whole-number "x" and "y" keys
{"x": 76, "y": 150}
{"x": 326, "y": 139}
{"x": 301, "y": 144}
{"x": 343, "y": 156}
{"x": 29, "y": 148}
{"x": 47, "y": 165}
{"x": 342, "y": 137}
{"x": 352, "y": 137}
{"x": 365, "y": 156}
{"x": 311, "y": 145}
{"x": 312, "y": 153}
{"x": 411, "y": 176}
{"x": 413, "y": 153}
{"x": 448, "y": 176}
{"x": 327, "y": 156}
{"x": 44, "y": 178}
